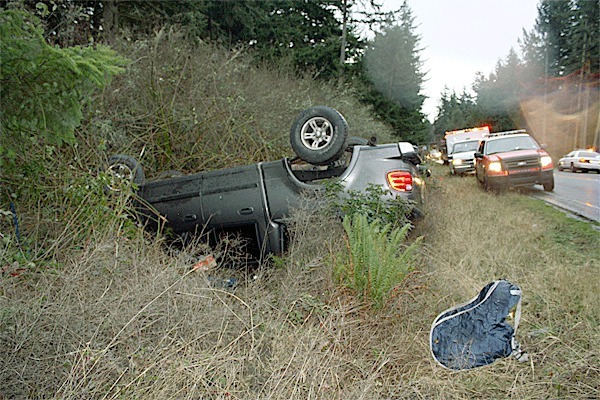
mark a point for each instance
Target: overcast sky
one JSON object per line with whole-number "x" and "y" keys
{"x": 462, "y": 37}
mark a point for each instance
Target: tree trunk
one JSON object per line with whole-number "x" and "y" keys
{"x": 110, "y": 20}
{"x": 344, "y": 34}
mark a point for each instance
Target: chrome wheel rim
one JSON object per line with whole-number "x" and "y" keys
{"x": 119, "y": 175}
{"x": 316, "y": 133}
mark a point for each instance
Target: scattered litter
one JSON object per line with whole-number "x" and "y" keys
{"x": 222, "y": 283}
{"x": 205, "y": 263}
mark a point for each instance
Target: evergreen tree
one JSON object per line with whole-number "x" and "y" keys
{"x": 456, "y": 112}
{"x": 45, "y": 87}
{"x": 307, "y": 33}
{"x": 565, "y": 38}
{"x": 562, "y": 55}
{"x": 584, "y": 38}
{"x": 393, "y": 68}
{"x": 553, "y": 24}
{"x": 360, "y": 12}
{"x": 499, "y": 95}
{"x": 393, "y": 62}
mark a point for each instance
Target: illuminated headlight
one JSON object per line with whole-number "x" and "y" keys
{"x": 457, "y": 161}
{"x": 546, "y": 161}
{"x": 495, "y": 167}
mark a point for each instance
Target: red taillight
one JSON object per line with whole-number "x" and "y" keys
{"x": 401, "y": 181}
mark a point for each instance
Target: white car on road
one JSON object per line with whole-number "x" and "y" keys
{"x": 580, "y": 160}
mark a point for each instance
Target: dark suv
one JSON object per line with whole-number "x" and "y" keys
{"x": 510, "y": 159}
{"x": 255, "y": 200}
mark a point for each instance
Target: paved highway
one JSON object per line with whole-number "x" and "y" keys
{"x": 578, "y": 193}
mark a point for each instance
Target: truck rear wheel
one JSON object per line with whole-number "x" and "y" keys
{"x": 318, "y": 135}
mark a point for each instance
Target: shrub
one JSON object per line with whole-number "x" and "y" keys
{"x": 45, "y": 90}
{"x": 375, "y": 203}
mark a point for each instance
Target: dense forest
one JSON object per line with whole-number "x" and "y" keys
{"x": 558, "y": 58}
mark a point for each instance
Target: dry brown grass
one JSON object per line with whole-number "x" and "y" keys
{"x": 126, "y": 319}
{"x": 477, "y": 237}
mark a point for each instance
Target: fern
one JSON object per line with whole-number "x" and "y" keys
{"x": 376, "y": 262}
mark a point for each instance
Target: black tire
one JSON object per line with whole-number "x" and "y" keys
{"x": 491, "y": 188}
{"x": 480, "y": 183}
{"x": 318, "y": 136}
{"x": 123, "y": 171}
{"x": 549, "y": 186}
{"x": 487, "y": 187}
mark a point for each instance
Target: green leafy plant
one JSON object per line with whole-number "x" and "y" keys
{"x": 44, "y": 88}
{"x": 375, "y": 203}
{"x": 45, "y": 92}
{"x": 377, "y": 259}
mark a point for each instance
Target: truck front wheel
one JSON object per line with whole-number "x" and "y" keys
{"x": 122, "y": 171}
{"x": 492, "y": 187}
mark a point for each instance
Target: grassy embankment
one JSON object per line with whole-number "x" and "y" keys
{"x": 116, "y": 316}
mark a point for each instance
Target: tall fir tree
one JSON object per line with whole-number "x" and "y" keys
{"x": 393, "y": 62}
{"x": 499, "y": 95}
{"x": 565, "y": 38}
{"x": 393, "y": 67}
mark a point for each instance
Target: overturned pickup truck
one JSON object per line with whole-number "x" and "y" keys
{"x": 256, "y": 199}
